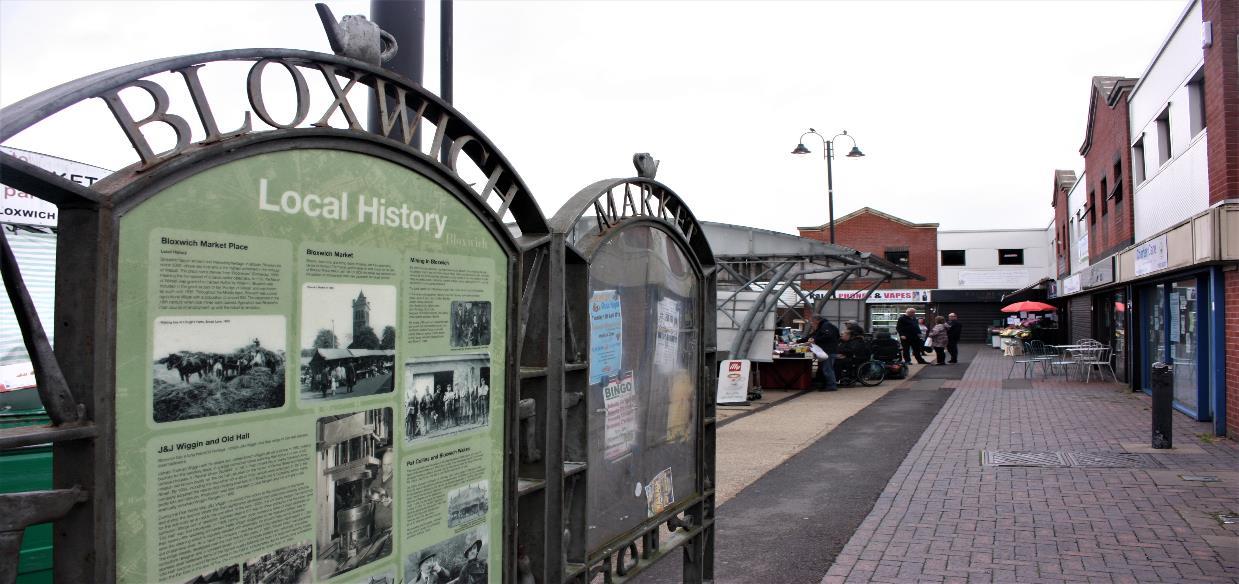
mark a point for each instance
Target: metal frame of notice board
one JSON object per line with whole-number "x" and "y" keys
{"x": 546, "y": 333}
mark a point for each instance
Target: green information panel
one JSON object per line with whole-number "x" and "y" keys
{"x": 309, "y": 378}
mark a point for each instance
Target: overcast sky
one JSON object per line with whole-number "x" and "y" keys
{"x": 963, "y": 109}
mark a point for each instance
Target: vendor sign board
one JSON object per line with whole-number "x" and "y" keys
{"x": 898, "y": 296}
{"x": 1151, "y": 256}
{"x": 733, "y": 382}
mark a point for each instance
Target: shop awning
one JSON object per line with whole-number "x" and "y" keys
{"x": 1028, "y": 292}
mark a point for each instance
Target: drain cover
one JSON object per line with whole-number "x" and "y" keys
{"x": 1201, "y": 478}
{"x": 999, "y": 458}
{"x": 1071, "y": 459}
{"x": 1228, "y": 518}
{"x": 1110, "y": 460}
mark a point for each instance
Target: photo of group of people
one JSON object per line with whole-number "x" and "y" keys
{"x": 458, "y": 560}
{"x": 470, "y": 323}
{"x": 446, "y": 395}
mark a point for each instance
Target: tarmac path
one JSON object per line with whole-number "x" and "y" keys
{"x": 796, "y": 479}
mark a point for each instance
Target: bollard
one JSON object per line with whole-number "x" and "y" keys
{"x": 1162, "y": 381}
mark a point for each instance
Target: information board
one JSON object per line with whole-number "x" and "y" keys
{"x": 309, "y": 377}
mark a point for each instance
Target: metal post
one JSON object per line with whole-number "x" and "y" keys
{"x": 445, "y": 49}
{"x": 830, "y": 186}
{"x": 1162, "y": 381}
{"x": 405, "y": 20}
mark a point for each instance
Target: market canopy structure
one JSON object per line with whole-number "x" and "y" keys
{"x": 760, "y": 269}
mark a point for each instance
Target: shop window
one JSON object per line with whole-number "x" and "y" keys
{"x": 953, "y": 257}
{"x": 1010, "y": 257}
{"x": 1163, "y": 136}
{"x": 1137, "y": 161}
{"x": 1196, "y": 103}
{"x": 897, "y": 257}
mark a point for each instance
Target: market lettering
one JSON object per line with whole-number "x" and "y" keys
{"x": 337, "y": 254}
{"x": 373, "y": 210}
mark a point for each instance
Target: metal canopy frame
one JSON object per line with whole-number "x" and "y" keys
{"x": 771, "y": 263}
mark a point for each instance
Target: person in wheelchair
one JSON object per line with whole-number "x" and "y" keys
{"x": 887, "y": 350}
{"x": 853, "y": 350}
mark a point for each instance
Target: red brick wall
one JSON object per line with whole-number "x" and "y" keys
{"x": 1222, "y": 98}
{"x": 1062, "y": 247}
{"x": 876, "y": 234}
{"x": 1115, "y": 228}
{"x": 1232, "y": 355}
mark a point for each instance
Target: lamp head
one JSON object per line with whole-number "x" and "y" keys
{"x": 800, "y": 149}
{"x": 855, "y": 153}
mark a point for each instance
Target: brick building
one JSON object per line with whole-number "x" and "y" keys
{"x": 910, "y": 245}
{"x": 1161, "y": 212}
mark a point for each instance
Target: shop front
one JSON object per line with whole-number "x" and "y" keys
{"x": 1175, "y": 327}
{"x": 886, "y": 306}
{"x": 1107, "y": 304}
{"x": 1177, "y": 316}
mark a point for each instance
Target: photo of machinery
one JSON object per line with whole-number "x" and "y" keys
{"x": 353, "y": 490}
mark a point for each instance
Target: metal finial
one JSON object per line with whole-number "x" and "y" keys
{"x": 356, "y": 37}
{"x": 647, "y": 167}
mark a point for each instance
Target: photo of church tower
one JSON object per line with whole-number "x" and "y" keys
{"x": 361, "y": 313}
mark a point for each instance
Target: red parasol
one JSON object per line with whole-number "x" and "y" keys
{"x": 1029, "y": 306}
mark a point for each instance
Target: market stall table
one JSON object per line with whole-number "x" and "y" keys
{"x": 786, "y": 373}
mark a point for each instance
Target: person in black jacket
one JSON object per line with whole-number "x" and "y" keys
{"x": 826, "y": 336}
{"x": 910, "y": 335}
{"x": 954, "y": 328}
{"x": 853, "y": 350}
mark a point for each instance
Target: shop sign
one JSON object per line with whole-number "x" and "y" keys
{"x": 897, "y": 296}
{"x": 26, "y": 209}
{"x": 1099, "y": 274}
{"x": 851, "y": 294}
{"x": 993, "y": 278}
{"x": 1051, "y": 289}
{"x": 1151, "y": 256}
{"x": 1071, "y": 284}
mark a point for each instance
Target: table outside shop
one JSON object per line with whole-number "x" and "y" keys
{"x": 786, "y": 373}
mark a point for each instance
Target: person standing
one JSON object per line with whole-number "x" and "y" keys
{"x": 910, "y": 336}
{"x": 954, "y": 328}
{"x": 938, "y": 339}
{"x": 826, "y": 336}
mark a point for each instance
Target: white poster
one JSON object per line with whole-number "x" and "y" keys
{"x": 619, "y": 396}
{"x": 667, "y": 337}
{"x": 733, "y": 382}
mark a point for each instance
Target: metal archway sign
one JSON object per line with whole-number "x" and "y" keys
{"x": 282, "y": 351}
{"x": 639, "y": 286}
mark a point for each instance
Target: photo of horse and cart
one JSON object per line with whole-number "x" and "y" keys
{"x": 360, "y": 358}
{"x": 212, "y": 366}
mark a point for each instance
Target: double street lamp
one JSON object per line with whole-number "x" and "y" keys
{"x": 828, "y": 153}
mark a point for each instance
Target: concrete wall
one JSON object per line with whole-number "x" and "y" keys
{"x": 1177, "y": 188}
{"x": 1077, "y": 226}
{"x": 982, "y": 270}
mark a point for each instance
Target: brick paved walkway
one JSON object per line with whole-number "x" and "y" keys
{"x": 944, "y": 517}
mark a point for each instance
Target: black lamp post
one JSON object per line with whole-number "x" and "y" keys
{"x": 829, "y": 153}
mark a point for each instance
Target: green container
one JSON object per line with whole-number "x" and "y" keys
{"x": 28, "y": 469}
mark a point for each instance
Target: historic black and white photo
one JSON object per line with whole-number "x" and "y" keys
{"x": 287, "y": 565}
{"x": 226, "y": 575}
{"x": 460, "y": 559}
{"x": 353, "y": 486}
{"x": 348, "y": 340}
{"x": 470, "y": 323}
{"x": 215, "y": 365}
{"x": 446, "y": 395}
{"x": 468, "y": 503}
